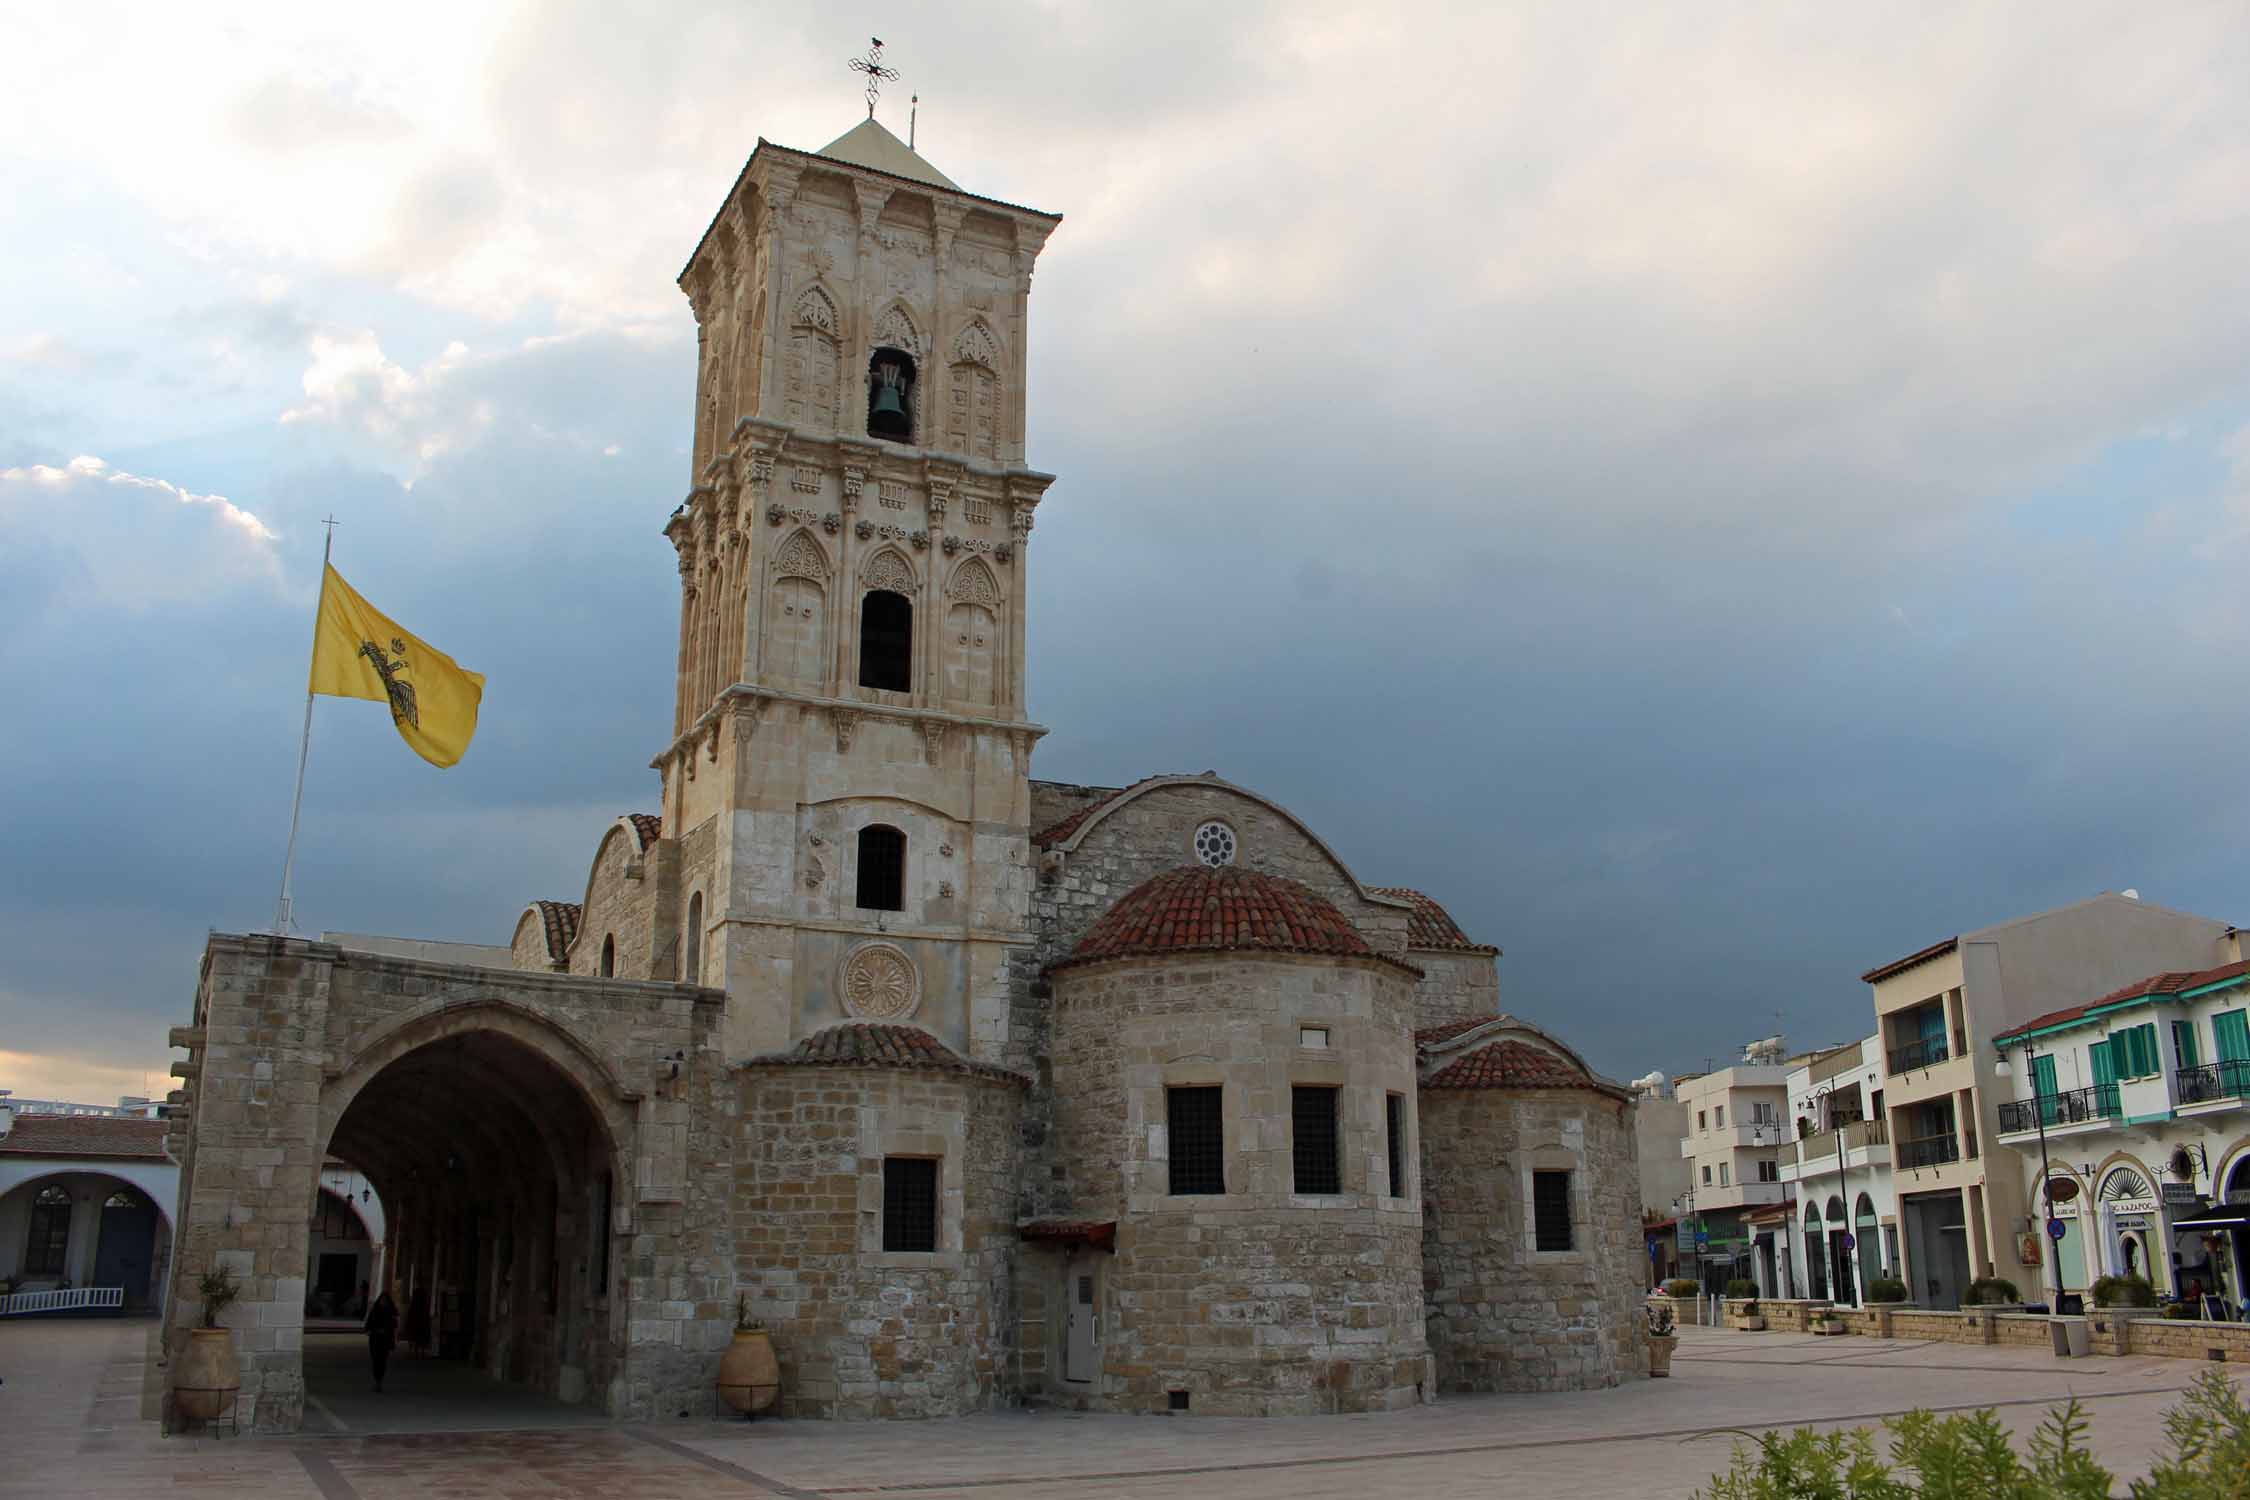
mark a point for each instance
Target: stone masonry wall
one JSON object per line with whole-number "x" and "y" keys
{"x": 1455, "y": 986}
{"x": 1504, "y": 1316}
{"x": 1258, "y": 1300}
{"x": 632, "y": 897}
{"x": 862, "y": 1332}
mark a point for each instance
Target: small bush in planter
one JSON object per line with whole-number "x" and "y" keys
{"x": 219, "y": 1292}
{"x": 1989, "y": 1291}
{"x": 1679, "y": 1286}
{"x": 1886, "y": 1289}
{"x": 2124, "y": 1291}
{"x": 1742, "y": 1289}
{"x": 1660, "y": 1321}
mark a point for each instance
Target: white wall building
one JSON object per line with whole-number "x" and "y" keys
{"x": 1842, "y": 1226}
{"x": 86, "y": 1201}
{"x": 1733, "y": 1146}
{"x": 2140, "y": 1103}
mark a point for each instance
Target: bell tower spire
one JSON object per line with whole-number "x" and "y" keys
{"x": 851, "y": 748}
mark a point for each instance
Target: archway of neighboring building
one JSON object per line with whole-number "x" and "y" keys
{"x": 87, "y": 1228}
{"x": 493, "y": 1145}
{"x": 1843, "y": 1282}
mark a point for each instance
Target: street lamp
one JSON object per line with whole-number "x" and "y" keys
{"x": 1850, "y": 1277}
{"x": 2001, "y": 1069}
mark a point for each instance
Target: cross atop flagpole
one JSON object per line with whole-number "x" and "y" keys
{"x": 282, "y": 915}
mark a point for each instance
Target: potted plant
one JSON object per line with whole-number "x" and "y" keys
{"x": 1992, "y": 1291}
{"x": 2124, "y": 1291}
{"x": 749, "y": 1375}
{"x": 1662, "y": 1340}
{"x": 1886, "y": 1289}
{"x": 207, "y": 1378}
{"x": 1742, "y": 1306}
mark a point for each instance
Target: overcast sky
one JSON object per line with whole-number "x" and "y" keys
{"x": 1720, "y": 496}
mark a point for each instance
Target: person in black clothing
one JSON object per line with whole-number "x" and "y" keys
{"x": 382, "y": 1332}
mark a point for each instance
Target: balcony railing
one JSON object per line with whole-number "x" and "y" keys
{"x": 1854, "y": 1135}
{"x": 1926, "y": 1053}
{"x": 2074, "y": 1107}
{"x": 1929, "y": 1150}
{"x": 2219, "y": 1080}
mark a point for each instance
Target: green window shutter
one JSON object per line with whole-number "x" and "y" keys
{"x": 2230, "y": 1029}
{"x": 2105, "y": 1062}
{"x": 2043, "y": 1084}
{"x": 2183, "y": 1040}
{"x": 2144, "y": 1049}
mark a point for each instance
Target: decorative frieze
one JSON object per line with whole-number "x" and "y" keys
{"x": 805, "y": 480}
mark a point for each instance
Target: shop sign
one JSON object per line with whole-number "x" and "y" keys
{"x": 2132, "y": 1206}
{"x": 2181, "y": 1193}
{"x": 2132, "y": 1221}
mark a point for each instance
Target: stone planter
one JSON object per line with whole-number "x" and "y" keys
{"x": 749, "y": 1375}
{"x": 1660, "y": 1354}
{"x": 1746, "y": 1322}
{"x": 206, "y": 1380}
{"x": 1828, "y": 1324}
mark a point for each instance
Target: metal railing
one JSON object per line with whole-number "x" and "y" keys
{"x": 2071, "y": 1107}
{"x": 73, "y": 1299}
{"x": 2219, "y": 1080}
{"x": 1926, "y": 1053}
{"x": 1929, "y": 1150}
{"x": 1852, "y": 1134}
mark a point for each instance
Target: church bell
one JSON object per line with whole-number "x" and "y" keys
{"x": 886, "y": 414}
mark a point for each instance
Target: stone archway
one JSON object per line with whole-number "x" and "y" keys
{"x": 518, "y": 1126}
{"x": 499, "y": 1169}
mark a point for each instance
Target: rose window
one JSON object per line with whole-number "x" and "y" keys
{"x": 1214, "y": 844}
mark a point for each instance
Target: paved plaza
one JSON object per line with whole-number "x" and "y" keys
{"x": 80, "y": 1405}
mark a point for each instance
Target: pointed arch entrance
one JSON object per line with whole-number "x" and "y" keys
{"x": 494, "y": 1141}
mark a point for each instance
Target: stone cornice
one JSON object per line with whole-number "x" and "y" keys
{"x": 749, "y": 695}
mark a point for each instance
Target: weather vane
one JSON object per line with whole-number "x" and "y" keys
{"x": 872, "y": 66}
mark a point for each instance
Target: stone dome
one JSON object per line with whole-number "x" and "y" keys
{"x": 1196, "y": 909}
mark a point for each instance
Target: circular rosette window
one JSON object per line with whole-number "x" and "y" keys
{"x": 1214, "y": 844}
{"x": 881, "y": 983}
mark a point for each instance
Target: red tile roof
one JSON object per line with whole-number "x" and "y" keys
{"x": 1899, "y": 966}
{"x": 1227, "y": 910}
{"x": 2171, "y": 982}
{"x": 1510, "y": 1065}
{"x": 560, "y": 921}
{"x": 647, "y": 828}
{"x": 864, "y": 1044}
{"x": 85, "y": 1135}
{"x": 1430, "y": 925}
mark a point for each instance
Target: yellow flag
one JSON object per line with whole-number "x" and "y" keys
{"x": 360, "y": 653}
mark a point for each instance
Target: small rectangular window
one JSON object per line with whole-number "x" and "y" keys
{"x": 1719, "y": 1117}
{"x": 1550, "y": 1208}
{"x": 909, "y": 1203}
{"x": 1312, "y": 1036}
{"x": 1312, "y": 1112}
{"x": 1394, "y": 1140}
{"x": 1196, "y": 1131}
{"x": 1769, "y": 1171}
{"x": 1701, "y": 1123}
{"x": 1722, "y": 1174}
{"x": 1706, "y": 1176}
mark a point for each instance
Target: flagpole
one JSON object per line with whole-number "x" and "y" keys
{"x": 281, "y": 911}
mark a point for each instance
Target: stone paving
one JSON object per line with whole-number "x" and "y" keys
{"x": 78, "y": 1418}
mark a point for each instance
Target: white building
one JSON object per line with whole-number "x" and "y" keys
{"x": 2139, "y": 1103}
{"x": 1841, "y": 1228}
{"x": 1733, "y": 1147}
{"x": 86, "y": 1196}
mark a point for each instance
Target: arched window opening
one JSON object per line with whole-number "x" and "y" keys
{"x": 121, "y": 1199}
{"x": 890, "y": 395}
{"x": 609, "y": 956}
{"x": 882, "y": 868}
{"x": 50, "y": 1233}
{"x": 691, "y": 964}
{"x": 886, "y": 641}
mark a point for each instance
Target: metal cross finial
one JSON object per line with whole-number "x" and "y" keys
{"x": 872, "y": 66}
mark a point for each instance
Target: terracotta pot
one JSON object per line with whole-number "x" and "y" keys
{"x": 749, "y": 1375}
{"x": 207, "y": 1379}
{"x": 1660, "y": 1354}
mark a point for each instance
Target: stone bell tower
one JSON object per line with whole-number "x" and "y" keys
{"x": 848, "y": 774}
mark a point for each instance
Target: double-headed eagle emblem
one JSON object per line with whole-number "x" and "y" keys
{"x": 391, "y": 669}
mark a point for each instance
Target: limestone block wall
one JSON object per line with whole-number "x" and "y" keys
{"x": 1257, "y": 1301}
{"x": 1455, "y": 986}
{"x": 1504, "y": 1316}
{"x": 862, "y": 1332}
{"x": 632, "y": 897}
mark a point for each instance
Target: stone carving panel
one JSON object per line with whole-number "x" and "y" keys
{"x": 880, "y": 983}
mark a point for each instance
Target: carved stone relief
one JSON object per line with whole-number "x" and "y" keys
{"x": 880, "y": 983}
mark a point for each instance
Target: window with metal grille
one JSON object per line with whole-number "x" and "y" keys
{"x": 50, "y": 1233}
{"x": 1550, "y": 1210}
{"x": 909, "y": 1203}
{"x": 882, "y": 869}
{"x": 1394, "y": 1139}
{"x": 1312, "y": 1113}
{"x": 1197, "y": 1137}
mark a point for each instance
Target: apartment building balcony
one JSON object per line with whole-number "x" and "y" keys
{"x": 2071, "y": 1112}
{"x": 1758, "y": 1135}
{"x": 1927, "y": 1151}
{"x": 1926, "y": 1053}
{"x": 1739, "y": 1195}
{"x": 1855, "y": 1146}
{"x": 2213, "y": 1089}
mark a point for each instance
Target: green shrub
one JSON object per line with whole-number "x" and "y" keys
{"x": 1743, "y": 1289}
{"x": 1886, "y": 1289}
{"x": 2209, "y": 1454}
{"x": 1679, "y": 1286}
{"x": 2178, "y": 1310}
{"x": 2124, "y": 1291}
{"x": 1988, "y": 1290}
